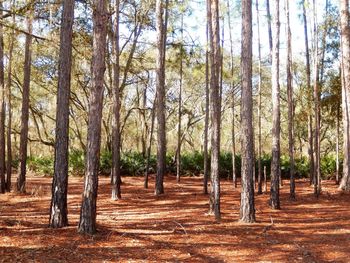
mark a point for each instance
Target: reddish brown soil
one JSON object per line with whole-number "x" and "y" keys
{"x": 175, "y": 227}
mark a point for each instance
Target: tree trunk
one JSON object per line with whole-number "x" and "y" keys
{"x": 233, "y": 149}
{"x": 247, "y": 211}
{"x": 116, "y": 177}
{"x": 160, "y": 87}
{"x": 337, "y": 171}
{"x": 259, "y": 100}
{"x": 58, "y": 210}
{"x": 153, "y": 115}
{"x": 290, "y": 104}
{"x": 268, "y": 14}
{"x": 87, "y": 223}
{"x": 207, "y": 105}
{"x": 21, "y": 180}
{"x": 345, "y": 64}
{"x": 308, "y": 84}
{"x": 178, "y": 152}
{"x": 215, "y": 62}
{"x": 2, "y": 110}
{"x": 9, "y": 112}
{"x": 276, "y": 115}
{"x": 317, "y": 149}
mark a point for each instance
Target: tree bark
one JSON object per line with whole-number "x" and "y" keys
{"x": 160, "y": 87}
{"x": 9, "y": 112}
{"x": 2, "y": 110}
{"x": 233, "y": 133}
{"x": 308, "y": 84}
{"x": 276, "y": 115}
{"x": 178, "y": 152}
{"x": 215, "y": 62}
{"x": 207, "y": 105}
{"x": 345, "y": 70}
{"x": 259, "y": 100}
{"x": 290, "y": 105}
{"x": 21, "y": 180}
{"x": 269, "y": 28}
{"x": 247, "y": 210}
{"x": 87, "y": 223}
{"x": 116, "y": 176}
{"x": 58, "y": 210}
{"x": 317, "y": 149}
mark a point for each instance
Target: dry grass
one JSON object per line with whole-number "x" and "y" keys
{"x": 175, "y": 227}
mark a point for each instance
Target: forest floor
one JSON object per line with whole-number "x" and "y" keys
{"x": 175, "y": 226}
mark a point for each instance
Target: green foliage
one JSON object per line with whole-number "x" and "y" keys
{"x": 41, "y": 165}
{"x": 76, "y": 162}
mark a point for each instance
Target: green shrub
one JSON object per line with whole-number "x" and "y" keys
{"x": 76, "y": 162}
{"x": 41, "y": 165}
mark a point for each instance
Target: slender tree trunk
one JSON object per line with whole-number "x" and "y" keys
{"x": 2, "y": 109}
{"x": 215, "y": 62}
{"x": 308, "y": 84}
{"x": 21, "y": 180}
{"x": 160, "y": 86}
{"x": 58, "y": 210}
{"x": 87, "y": 223}
{"x": 259, "y": 100}
{"x": 178, "y": 152}
{"x": 345, "y": 64}
{"x": 116, "y": 177}
{"x": 276, "y": 115}
{"x": 265, "y": 180}
{"x": 269, "y": 28}
{"x": 337, "y": 171}
{"x": 153, "y": 116}
{"x": 290, "y": 104}
{"x": 207, "y": 105}
{"x": 247, "y": 211}
{"x": 317, "y": 149}
{"x": 233, "y": 147}
{"x": 9, "y": 112}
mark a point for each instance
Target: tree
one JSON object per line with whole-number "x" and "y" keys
{"x": 116, "y": 179}
{"x": 308, "y": 85}
{"x": 21, "y": 180}
{"x": 160, "y": 86}
{"x": 215, "y": 63}
{"x": 207, "y": 105}
{"x": 276, "y": 114}
{"x": 2, "y": 109}
{"x": 259, "y": 101}
{"x": 87, "y": 223}
{"x": 345, "y": 72}
{"x": 247, "y": 211}
{"x": 9, "y": 111}
{"x": 58, "y": 210}
{"x": 268, "y": 15}
{"x": 233, "y": 133}
{"x": 290, "y": 104}
{"x": 178, "y": 152}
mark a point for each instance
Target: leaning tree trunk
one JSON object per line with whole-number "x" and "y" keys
{"x": 247, "y": 211}
{"x": 268, "y": 15}
{"x": 290, "y": 104}
{"x": 160, "y": 87}
{"x": 9, "y": 112}
{"x": 276, "y": 115}
{"x": 215, "y": 61}
{"x": 116, "y": 177}
{"x": 87, "y": 223}
{"x": 308, "y": 84}
{"x": 345, "y": 70}
{"x": 2, "y": 109}
{"x": 58, "y": 210}
{"x": 21, "y": 180}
